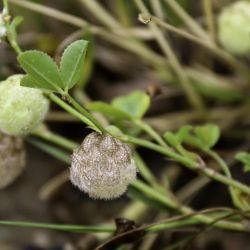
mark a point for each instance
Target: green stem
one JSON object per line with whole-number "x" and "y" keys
{"x": 165, "y": 151}
{"x": 6, "y": 6}
{"x": 147, "y": 174}
{"x": 223, "y": 55}
{"x": 72, "y": 111}
{"x": 172, "y": 224}
{"x": 179, "y": 31}
{"x": 123, "y": 12}
{"x": 10, "y": 35}
{"x": 167, "y": 201}
{"x": 220, "y": 161}
{"x": 208, "y": 11}
{"x": 59, "y": 15}
{"x": 193, "y": 97}
{"x": 227, "y": 172}
{"x": 54, "y": 138}
{"x": 150, "y": 131}
{"x": 70, "y": 228}
{"x": 82, "y": 110}
{"x": 101, "y": 14}
{"x": 57, "y": 153}
{"x": 131, "y": 42}
{"x": 171, "y": 203}
{"x": 78, "y": 22}
{"x": 128, "y": 44}
{"x": 189, "y": 163}
{"x": 187, "y": 19}
{"x": 221, "y": 178}
{"x": 157, "y": 8}
{"x": 15, "y": 46}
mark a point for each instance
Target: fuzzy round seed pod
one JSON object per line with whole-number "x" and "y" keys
{"x": 12, "y": 159}
{"x": 234, "y": 28}
{"x": 102, "y": 166}
{"x": 22, "y": 108}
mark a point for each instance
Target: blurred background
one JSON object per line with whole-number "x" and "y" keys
{"x": 125, "y": 55}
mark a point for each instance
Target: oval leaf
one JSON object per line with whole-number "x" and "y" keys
{"x": 208, "y": 134}
{"x": 136, "y": 104}
{"x": 72, "y": 63}
{"x": 28, "y": 81}
{"x": 171, "y": 139}
{"x": 183, "y": 132}
{"x": 89, "y": 60}
{"x": 42, "y": 69}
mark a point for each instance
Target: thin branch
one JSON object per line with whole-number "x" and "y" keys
{"x": 225, "y": 56}
{"x": 192, "y": 95}
{"x": 157, "y": 8}
{"x": 187, "y": 19}
{"x": 101, "y": 14}
{"x": 208, "y": 11}
{"x": 75, "y": 21}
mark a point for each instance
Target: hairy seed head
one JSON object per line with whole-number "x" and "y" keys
{"x": 22, "y": 108}
{"x": 102, "y": 166}
{"x": 12, "y": 159}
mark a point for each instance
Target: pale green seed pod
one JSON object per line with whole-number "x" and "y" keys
{"x": 22, "y": 109}
{"x": 102, "y": 166}
{"x": 12, "y": 159}
{"x": 234, "y": 28}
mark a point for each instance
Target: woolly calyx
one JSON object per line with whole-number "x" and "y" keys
{"x": 234, "y": 28}
{"x": 12, "y": 159}
{"x": 22, "y": 108}
{"x": 102, "y": 166}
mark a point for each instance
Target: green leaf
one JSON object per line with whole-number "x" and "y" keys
{"x": 28, "y": 81}
{"x": 183, "y": 133}
{"x": 208, "y": 134}
{"x": 89, "y": 60}
{"x": 17, "y": 20}
{"x": 13, "y": 26}
{"x": 136, "y": 104}
{"x": 51, "y": 149}
{"x": 42, "y": 69}
{"x": 173, "y": 16}
{"x": 179, "y": 137}
{"x": 244, "y": 158}
{"x": 72, "y": 63}
{"x": 114, "y": 131}
{"x": 193, "y": 141}
{"x": 171, "y": 139}
{"x": 175, "y": 140}
{"x": 108, "y": 110}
